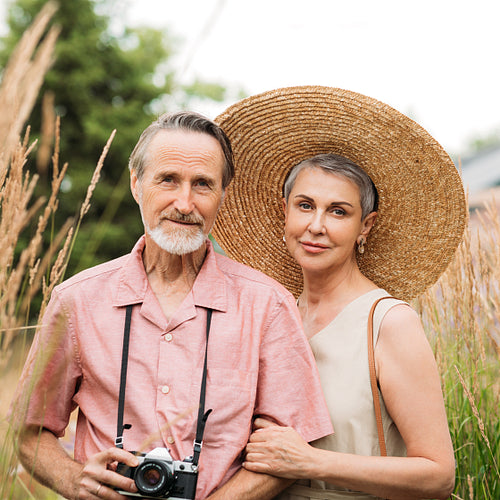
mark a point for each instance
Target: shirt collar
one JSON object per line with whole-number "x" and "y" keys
{"x": 209, "y": 288}
{"x": 133, "y": 281}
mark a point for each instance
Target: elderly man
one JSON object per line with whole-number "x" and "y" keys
{"x": 172, "y": 299}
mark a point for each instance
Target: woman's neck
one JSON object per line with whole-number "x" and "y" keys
{"x": 325, "y": 295}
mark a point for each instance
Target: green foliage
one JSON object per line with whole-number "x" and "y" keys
{"x": 211, "y": 90}
{"x": 102, "y": 81}
{"x": 490, "y": 140}
{"x": 475, "y": 431}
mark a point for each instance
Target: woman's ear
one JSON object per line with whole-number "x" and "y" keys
{"x": 368, "y": 223}
{"x": 284, "y": 205}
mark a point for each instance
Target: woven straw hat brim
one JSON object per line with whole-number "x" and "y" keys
{"x": 422, "y": 208}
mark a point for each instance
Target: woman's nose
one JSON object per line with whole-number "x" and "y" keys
{"x": 317, "y": 223}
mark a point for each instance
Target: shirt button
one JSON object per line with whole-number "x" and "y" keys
{"x": 168, "y": 337}
{"x": 165, "y": 389}
{"x": 170, "y": 440}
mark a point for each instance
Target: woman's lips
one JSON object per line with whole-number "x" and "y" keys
{"x": 312, "y": 247}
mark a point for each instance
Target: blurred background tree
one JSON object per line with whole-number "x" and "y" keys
{"x": 100, "y": 80}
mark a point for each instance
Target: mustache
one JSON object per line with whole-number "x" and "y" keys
{"x": 176, "y": 216}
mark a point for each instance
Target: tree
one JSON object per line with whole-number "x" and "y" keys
{"x": 100, "y": 81}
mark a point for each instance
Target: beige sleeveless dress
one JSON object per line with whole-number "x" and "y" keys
{"x": 341, "y": 353}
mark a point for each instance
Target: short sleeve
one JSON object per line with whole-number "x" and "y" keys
{"x": 289, "y": 390}
{"x": 51, "y": 374}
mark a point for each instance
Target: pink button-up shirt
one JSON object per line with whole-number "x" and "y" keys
{"x": 259, "y": 363}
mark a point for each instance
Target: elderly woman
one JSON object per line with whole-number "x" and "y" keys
{"x": 391, "y": 441}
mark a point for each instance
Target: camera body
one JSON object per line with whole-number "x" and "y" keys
{"x": 159, "y": 476}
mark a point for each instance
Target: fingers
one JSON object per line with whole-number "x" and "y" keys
{"x": 103, "y": 491}
{"x": 258, "y": 458}
{"x": 268, "y": 464}
{"x": 257, "y": 467}
{"x": 98, "y": 478}
{"x": 258, "y": 454}
{"x": 115, "y": 455}
{"x": 92, "y": 490}
{"x": 263, "y": 423}
{"x": 279, "y": 451}
{"x": 270, "y": 433}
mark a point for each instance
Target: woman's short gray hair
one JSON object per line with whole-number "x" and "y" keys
{"x": 190, "y": 122}
{"x": 338, "y": 165}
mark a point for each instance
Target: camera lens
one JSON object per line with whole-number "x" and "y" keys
{"x": 153, "y": 478}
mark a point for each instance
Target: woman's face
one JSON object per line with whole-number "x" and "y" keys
{"x": 323, "y": 221}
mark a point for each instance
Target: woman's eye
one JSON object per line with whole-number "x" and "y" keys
{"x": 338, "y": 211}
{"x": 305, "y": 206}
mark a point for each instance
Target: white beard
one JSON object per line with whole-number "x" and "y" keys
{"x": 179, "y": 241}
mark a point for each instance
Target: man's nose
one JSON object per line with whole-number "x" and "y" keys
{"x": 184, "y": 200}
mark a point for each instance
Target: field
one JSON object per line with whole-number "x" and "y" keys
{"x": 461, "y": 313}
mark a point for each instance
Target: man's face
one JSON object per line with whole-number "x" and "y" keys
{"x": 181, "y": 189}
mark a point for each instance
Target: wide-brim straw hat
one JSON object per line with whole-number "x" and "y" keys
{"x": 422, "y": 208}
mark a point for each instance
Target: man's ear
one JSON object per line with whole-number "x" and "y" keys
{"x": 134, "y": 185}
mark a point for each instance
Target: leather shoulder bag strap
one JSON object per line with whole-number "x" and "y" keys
{"x": 373, "y": 379}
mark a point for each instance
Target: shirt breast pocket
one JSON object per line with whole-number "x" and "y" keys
{"x": 231, "y": 396}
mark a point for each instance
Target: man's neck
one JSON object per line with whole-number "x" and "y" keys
{"x": 170, "y": 276}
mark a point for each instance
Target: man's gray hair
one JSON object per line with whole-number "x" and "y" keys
{"x": 189, "y": 122}
{"x": 338, "y": 165}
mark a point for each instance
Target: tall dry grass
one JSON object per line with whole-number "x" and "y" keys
{"x": 21, "y": 84}
{"x": 31, "y": 271}
{"x": 461, "y": 315}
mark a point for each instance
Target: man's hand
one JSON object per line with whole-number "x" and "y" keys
{"x": 41, "y": 452}
{"x": 98, "y": 478}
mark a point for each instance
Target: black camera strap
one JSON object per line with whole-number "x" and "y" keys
{"x": 123, "y": 379}
{"x": 202, "y": 415}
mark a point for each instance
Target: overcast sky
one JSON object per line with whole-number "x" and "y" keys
{"x": 435, "y": 60}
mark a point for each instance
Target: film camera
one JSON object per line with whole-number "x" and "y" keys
{"x": 159, "y": 476}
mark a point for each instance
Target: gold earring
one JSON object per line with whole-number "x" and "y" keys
{"x": 361, "y": 246}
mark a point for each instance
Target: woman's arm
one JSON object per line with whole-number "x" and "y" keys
{"x": 409, "y": 381}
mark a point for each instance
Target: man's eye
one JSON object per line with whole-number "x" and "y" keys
{"x": 203, "y": 183}
{"x": 168, "y": 179}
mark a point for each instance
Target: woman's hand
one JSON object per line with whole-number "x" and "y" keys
{"x": 279, "y": 451}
